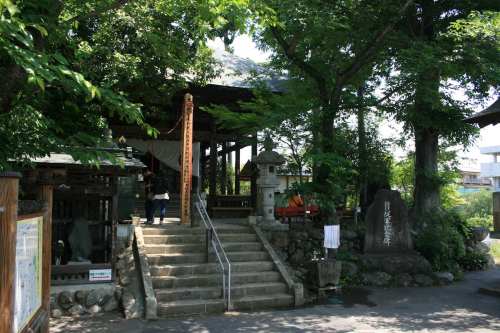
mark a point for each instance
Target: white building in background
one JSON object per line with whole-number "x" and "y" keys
{"x": 492, "y": 169}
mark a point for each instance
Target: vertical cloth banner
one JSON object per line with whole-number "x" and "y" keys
{"x": 332, "y": 236}
{"x": 186, "y": 158}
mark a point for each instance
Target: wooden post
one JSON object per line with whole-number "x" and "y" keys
{"x": 237, "y": 169}
{"x": 186, "y": 159}
{"x": 496, "y": 211}
{"x": 253, "y": 181}
{"x": 223, "y": 166}
{"x": 213, "y": 170}
{"x": 45, "y": 194}
{"x": 9, "y": 190}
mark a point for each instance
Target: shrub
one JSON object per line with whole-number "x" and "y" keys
{"x": 442, "y": 240}
{"x": 481, "y": 221}
{"x": 474, "y": 261}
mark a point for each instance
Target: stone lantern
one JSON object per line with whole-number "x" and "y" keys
{"x": 267, "y": 182}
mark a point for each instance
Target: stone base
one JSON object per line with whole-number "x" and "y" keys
{"x": 402, "y": 270}
{"x": 273, "y": 225}
{"x": 84, "y": 299}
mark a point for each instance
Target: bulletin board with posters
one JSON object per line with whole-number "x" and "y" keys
{"x": 28, "y": 271}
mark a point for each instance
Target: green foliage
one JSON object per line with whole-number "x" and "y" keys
{"x": 477, "y": 209}
{"x": 474, "y": 261}
{"x": 441, "y": 241}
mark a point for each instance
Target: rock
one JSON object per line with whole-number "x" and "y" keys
{"x": 130, "y": 306}
{"x": 118, "y": 294}
{"x": 125, "y": 279}
{"x": 280, "y": 239}
{"x": 423, "y": 280}
{"x": 480, "y": 233}
{"x": 444, "y": 278}
{"x": 316, "y": 234}
{"x": 76, "y": 310}
{"x": 65, "y": 300}
{"x": 81, "y": 296}
{"x": 349, "y": 269}
{"x": 94, "y": 309}
{"x": 298, "y": 257}
{"x": 97, "y": 296}
{"x": 111, "y": 305}
{"x": 482, "y": 248}
{"x": 56, "y": 313}
{"x": 403, "y": 280}
{"x": 378, "y": 279}
{"x": 348, "y": 235}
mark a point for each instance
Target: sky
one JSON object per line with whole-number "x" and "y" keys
{"x": 245, "y": 47}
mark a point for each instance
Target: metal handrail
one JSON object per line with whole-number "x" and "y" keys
{"x": 214, "y": 240}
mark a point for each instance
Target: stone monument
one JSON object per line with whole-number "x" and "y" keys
{"x": 387, "y": 224}
{"x": 389, "y": 257}
{"x": 267, "y": 163}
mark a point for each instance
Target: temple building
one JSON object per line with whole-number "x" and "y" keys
{"x": 491, "y": 116}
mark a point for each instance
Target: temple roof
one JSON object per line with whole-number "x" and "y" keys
{"x": 66, "y": 159}
{"x": 489, "y": 116}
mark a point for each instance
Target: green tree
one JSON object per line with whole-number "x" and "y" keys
{"x": 70, "y": 66}
{"x": 442, "y": 47}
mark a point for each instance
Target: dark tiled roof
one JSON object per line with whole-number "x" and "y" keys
{"x": 489, "y": 116}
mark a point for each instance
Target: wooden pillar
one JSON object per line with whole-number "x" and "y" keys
{"x": 45, "y": 194}
{"x": 186, "y": 159}
{"x": 237, "y": 169}
{"x": 223, "y": 166}
{"x": 9, "y": 190}
{"x": 496, "y": 211}
{"x": 230, "y": 164}
{"x": 212, "y": 187}
{"x": 253, "y": 181}
{"x": 114, "y": 221}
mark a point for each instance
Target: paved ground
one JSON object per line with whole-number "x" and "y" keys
{"x": 456, "y": 308}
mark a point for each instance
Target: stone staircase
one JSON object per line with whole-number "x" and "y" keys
{"x": 185, "y": 283}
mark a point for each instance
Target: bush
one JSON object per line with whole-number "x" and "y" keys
{"x": 442, "y": 240}
{"x": 481, "y": 221}
{"x": 474, "y": 261}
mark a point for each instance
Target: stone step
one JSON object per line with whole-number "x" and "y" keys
{"x": 210, "y": 268}
{"x": 233, "y": 230}
{"x": 176, "y": 258}
{"x": 174, "y": 248}
{"x": 178, "y": 294}
{"x": 254, "y": 289}
{"x": 247, "y": 256}
{"x": 190, "y": 307}
{"x": 171, "y": 230}
{"x": 259, "y": 302}
{"x": 199, "y": 237}
{"x": 242, "y": 246}
{"x": 212, "y": 280}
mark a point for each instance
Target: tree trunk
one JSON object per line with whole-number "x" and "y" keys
{"x": 362, "y": 165}
{"x": 427, "y": 185}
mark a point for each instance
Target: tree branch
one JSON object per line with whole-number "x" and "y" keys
{"x": 95, "y": 13}
{"x": 371, "y": 48}
{"x": 289, "y": 50}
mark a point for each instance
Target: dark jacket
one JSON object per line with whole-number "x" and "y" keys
{"x": 160, "y": 185}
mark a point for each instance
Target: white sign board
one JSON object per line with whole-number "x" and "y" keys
{"x": 100, "y": 275}
{"x": 28, "y": 278}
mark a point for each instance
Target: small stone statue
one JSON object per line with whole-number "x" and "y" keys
{"x": 80, "y": 241}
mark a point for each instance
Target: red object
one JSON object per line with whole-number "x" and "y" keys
{"x": 296, "y": 211}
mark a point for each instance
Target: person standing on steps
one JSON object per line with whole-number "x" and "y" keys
{"x": 160, "y": 195}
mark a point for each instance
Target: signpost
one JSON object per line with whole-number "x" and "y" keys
{"x": 186, "y": 158}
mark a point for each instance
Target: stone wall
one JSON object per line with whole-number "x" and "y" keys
{"x": 124, "y": 295}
